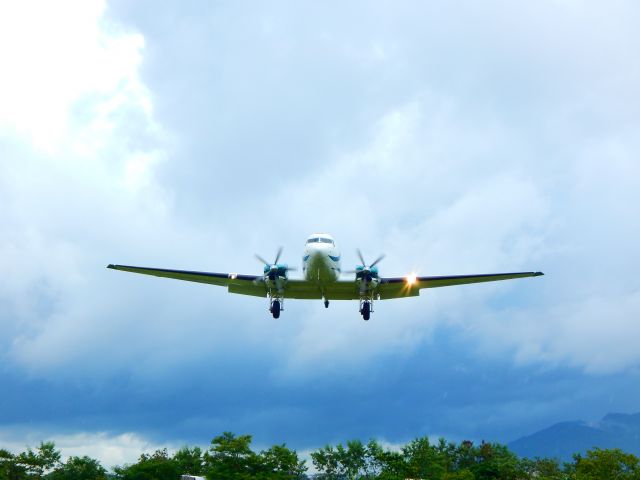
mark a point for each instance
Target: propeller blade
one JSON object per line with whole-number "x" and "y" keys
{"x": 278, "y": 256}
{"x": 377, "y": 260}
{"x": 361, "y": 257}
{"x": 292, "y": 269}
{"x": 262, "y": 260}
{"x": 348, "y": 272}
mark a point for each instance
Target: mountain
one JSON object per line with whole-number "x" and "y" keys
{"x": 562, "y": 440}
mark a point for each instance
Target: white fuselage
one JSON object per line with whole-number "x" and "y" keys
{"x": 321, "y": 259}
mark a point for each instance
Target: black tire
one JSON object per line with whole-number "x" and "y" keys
{"x": 366, "y": 311}
{"x": 275, "y": 309}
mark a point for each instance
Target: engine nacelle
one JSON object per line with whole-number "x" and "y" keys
{"x": 276, "y": 271}
{"x": 367, "y": 274}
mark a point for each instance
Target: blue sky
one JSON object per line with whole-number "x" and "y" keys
{"x": 460, "y": 138}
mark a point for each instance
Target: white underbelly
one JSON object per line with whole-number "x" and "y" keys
{"x": 321, "y": 269}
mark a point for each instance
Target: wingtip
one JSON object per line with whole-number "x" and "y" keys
{"x": 538, "y": 274}
{"x": 111, "y": 265}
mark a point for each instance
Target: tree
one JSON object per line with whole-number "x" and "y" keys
{"x": 340, "y": 462}
{"x": 280, "y": 462}
{"x": 392, "y": 466}
{"x": 544, "y": 469}
{"x": 189, "y": 460}
{"x": 352, "y": 458}
{"x": 231, "y": 458}
{"x": 464, "y": 474}
{"x": 157, "y": 466}
{"x": 9, "y": 467}
{"x": 43, "y": 460}
{"x": 384, "y": 464}
{"x": 425, "y": 461}
{"x": 496, "y": 462}
{"x": 326, "y": 462}
{"x": 606, "y": 465}
{"x": 79, "y": 468}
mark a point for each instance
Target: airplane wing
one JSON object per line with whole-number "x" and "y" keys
{"x": 236, "y": 283}
{"x": 399, "y": 287}
{"x": 251, "y": 284}
{"x": 392, "y": 287}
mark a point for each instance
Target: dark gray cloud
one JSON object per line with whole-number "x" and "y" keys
{"x": 438, "y": 390}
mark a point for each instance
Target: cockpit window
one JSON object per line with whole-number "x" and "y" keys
{"x": 320, "y": 240}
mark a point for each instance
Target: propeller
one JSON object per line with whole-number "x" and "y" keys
{"x": 278, "y": 254}
{"x": 366, "y": 272}
{"x": 273, "y": 270}
{"x": 377, "y": 260}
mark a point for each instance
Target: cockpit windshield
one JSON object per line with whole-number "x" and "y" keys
{"x": 320, "y": 240}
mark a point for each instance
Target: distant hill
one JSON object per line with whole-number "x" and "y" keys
{"x": 562, "y": 440}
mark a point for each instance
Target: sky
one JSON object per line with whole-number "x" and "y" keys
{"x": 456, "y": 137}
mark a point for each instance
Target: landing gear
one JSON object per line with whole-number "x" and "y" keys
{"x": 275, "y": 309}
{"x": 326, "y": 303}
{"x": 276, "y": 304}
{"x": 366, "y": 309}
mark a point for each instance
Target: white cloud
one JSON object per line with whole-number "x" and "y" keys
{"x": 110, "y": 449}
{"x": 76, "y": 175}
{"x": 595, "y": 334}
{"x": 53, "y": 55}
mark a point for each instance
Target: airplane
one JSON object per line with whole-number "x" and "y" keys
{"x": 321, "y": 272}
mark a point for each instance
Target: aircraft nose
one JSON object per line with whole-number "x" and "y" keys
{"x": 318, "y": 251}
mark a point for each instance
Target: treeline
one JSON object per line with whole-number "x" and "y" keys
{"x": 231, "y": 457}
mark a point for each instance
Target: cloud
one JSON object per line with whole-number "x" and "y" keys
{"x": 453, "y": 145}
{"x": 592, "y": 334}
{"x": 111, "y": 450}
{"x": 65, "y": 53}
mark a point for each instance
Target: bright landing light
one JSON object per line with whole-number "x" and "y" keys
{"x": 411, "y": 279}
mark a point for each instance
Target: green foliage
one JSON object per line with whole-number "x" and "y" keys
{"x": 544, "y": 469}
{"x": 158, "y": 466}
{"x": 426, "y": 461}
{"x": 230, "y": 457}
{"x": 606, "y": 465}
{"x": 9, "y": 467}
{"x": 464, "y": 474}
{"x": 189, "y": 461}
{"x": 496, "y": 462}
{"x": 79, "y": 468}
{"x": 42, "y": 461}
{"x": 355, "y": 460}
{"x": 419, "y": 459}
{"x": 279, "y": 462}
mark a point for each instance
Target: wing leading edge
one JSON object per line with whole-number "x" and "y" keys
{"x": 398, "y": 287}
{"x": 236, "y": 283}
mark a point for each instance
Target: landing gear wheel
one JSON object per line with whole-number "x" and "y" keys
{"x": 366, "y": 311}
{"x": 275, "y": 309}
{"x": 326, "y": 304}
